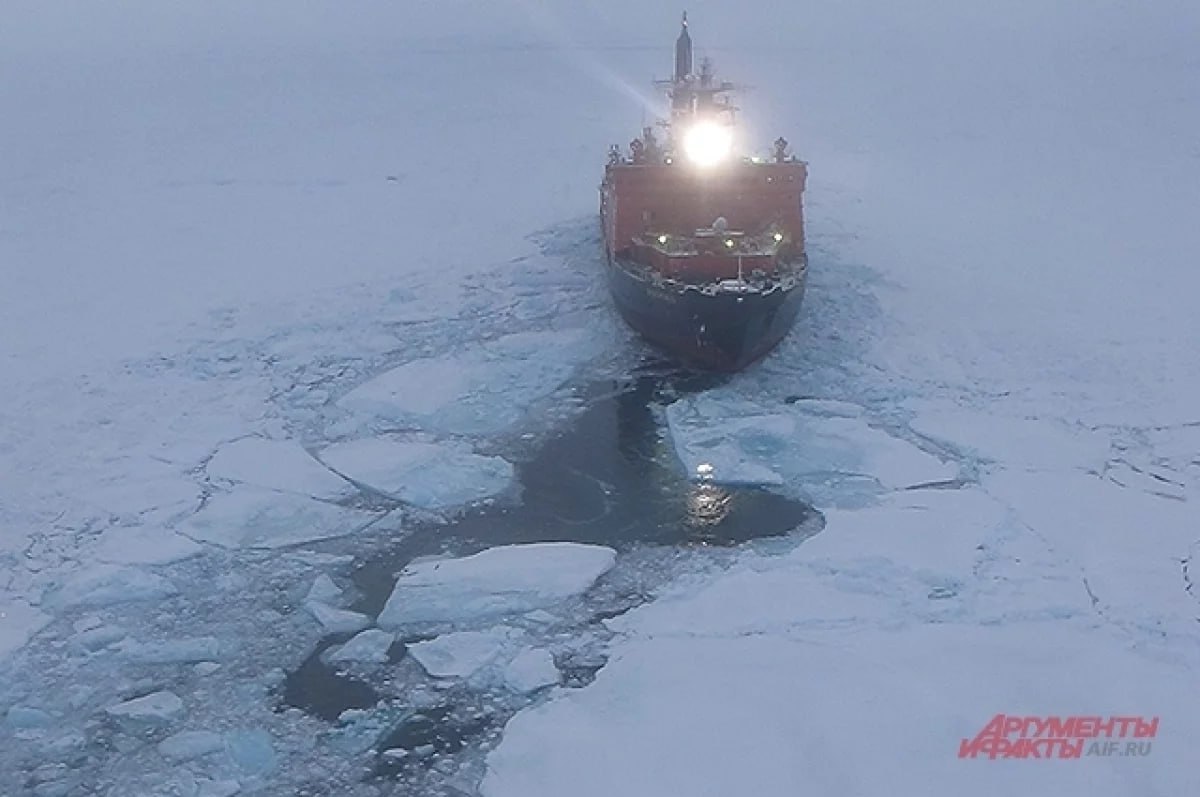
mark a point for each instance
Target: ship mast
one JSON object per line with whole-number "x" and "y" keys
{"x": 695, "y": 97}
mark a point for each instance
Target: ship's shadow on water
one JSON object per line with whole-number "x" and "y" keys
{"x": 611, "y": 477}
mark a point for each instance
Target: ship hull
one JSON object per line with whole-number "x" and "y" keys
{"x": 718, "y": 330}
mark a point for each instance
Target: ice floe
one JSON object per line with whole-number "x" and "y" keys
{"x": 156, "y": 708}
{"x": 143, "y": 545}
{"x": 429, "y": 475}
{"x": 191, "y": 744}
{"x": 483, "y": 388}
{"x": 812, "y": 449}
{"x": 103, "y": 585}
{"x": 370, "y": 646}
{"x": 530, "y": 670}
{"x": 281, "y": 465}
{"x": 323, "y": 590}
{"x": 252, "y": 751}
{"x": 509, "y": 579}
{"x": 337, "y": 621}
{"x": 256, "y": 518}
{"x": 460, "y": 654}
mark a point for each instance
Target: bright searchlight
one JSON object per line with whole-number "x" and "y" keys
{"x": 707, "y": 143}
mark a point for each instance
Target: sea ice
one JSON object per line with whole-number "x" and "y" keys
{"x": 277, "y": 465}
{"x": 252, "y": 751}
{"x": 191, "y": 744}
{"x": 172, "y": 651}
{"x": 1034, "y": 444}
{"x": 250, "y": 517}
{"x": 104, "y": 585}
{"x": 530, "y": 670}
{"x": 152, "y": 497}
{"x": 460, "y": 654}
{"x": 509, "y": 579}
{"x": 18, "y": 622}
{"x": 429, "y": 475}
{"x": 23, "y": 717}
{"x": 155, "y": 708}
{"x": 143, "y": 545}
{"x": 323, "y": 590}
{"x": 337, "y": 621}
{"x": 485, "y": 388}
{"x": 731, "y": 440}
{"x": 369, "y": 646}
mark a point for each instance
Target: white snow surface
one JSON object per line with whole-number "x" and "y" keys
{"x": 370, "y": 646}
{"x": 509, "y": 579}
{"x": 429, "y": 475}
{"x": 460, "y": 654}
{"x": 18, "y": 622}
{"x": 530, "y": 670}
{"x": 255, "y": 518}
{"x": 337, "y": 621}
{"x": 809, "y": 448}
{"x": 481, "y": 389}
{"x": 156, "y": 707}
{"x": 277, "y": 465}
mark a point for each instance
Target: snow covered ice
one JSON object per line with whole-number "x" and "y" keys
{"x": 370, "y": 646}
{"x": 461, "y": 653}
{"x": 485, "y": 388}
{"x": 429, "y": 475}
{"x": 255, "y": 518}
{"x": 277, "y": 465}
{"x": 158, "y": 708}
{"x": 511, "y": 579}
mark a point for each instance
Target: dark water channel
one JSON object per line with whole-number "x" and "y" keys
{"x": 610, "y": 478}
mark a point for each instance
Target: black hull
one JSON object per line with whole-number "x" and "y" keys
{"x": 721, "y": 330}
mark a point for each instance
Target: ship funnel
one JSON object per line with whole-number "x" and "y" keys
{"x": 683, "y": 52}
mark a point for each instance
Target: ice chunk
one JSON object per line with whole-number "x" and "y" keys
{"x": 143, "y": 545}
{"x": 729, "y": 440}
{"x": 337, "y": 621}
{"x": 323, "y": 590}
{"x": 172, "y": 651}
{"x": 27, "y": 717}
{"x": 155, "y": 708}
{"x": 459, "y": 654}
{"x": 483, "y": 389}
{"x": 498, "y": 581}
{"x": 203, "y": 668}
{"x": 530, "y": 670}
{"x": 18, "y": 622}
{"x": 371, "y": 645}
{"x": 277, "y": 465}
{"x": 254, "y": 518}
{"x": 104, "y": 585}
{"x": 429, "y": 475}
{"x": 95, "y": 639}
{"x": 251, "y": 751}
{"x": 191, "y": 744}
